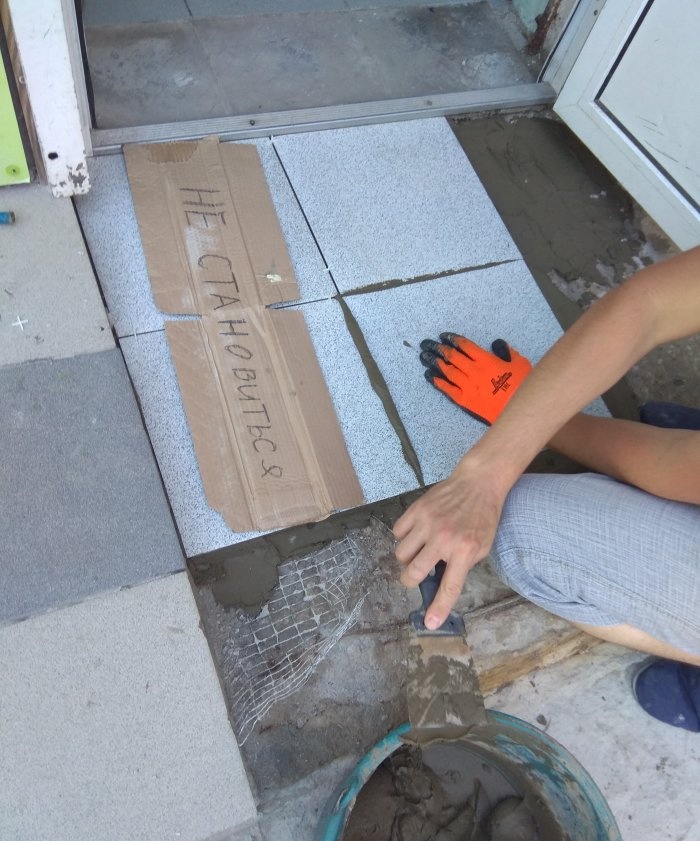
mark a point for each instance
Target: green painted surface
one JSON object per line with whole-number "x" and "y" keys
{"x": 13, "y": 163}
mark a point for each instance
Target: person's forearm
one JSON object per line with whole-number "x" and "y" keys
{"x": 661, "y": 461}
{"x": 456, "y": 520}
{"x": 659, "y": 304}
{"x": 600, "y": 347}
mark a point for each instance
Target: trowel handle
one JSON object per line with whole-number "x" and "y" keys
{"x": 431, "y": 583}
{"x": 453, "y": 625}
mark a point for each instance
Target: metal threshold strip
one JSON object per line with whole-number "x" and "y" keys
{"x": 110, "y": 141}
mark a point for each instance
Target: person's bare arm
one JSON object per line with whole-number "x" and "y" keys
{"x": 456, "y": 520}
{"x": 665, "y": 462}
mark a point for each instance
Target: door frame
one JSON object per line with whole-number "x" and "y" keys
{"x": 578, "y": 106}
{"x": 46, "y": 35}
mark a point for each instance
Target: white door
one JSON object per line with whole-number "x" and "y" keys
{"x": 633, "y": 97}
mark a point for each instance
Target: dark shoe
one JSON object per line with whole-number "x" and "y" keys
{"x": 670, "y": 691}
{"x": 670, "y": 415}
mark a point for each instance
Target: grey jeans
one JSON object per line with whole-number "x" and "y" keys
{"x": 599, "y": 552}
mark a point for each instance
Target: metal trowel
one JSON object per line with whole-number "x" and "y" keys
{"x": 444, "y": 699}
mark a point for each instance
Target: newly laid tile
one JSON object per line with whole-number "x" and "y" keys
{"x": 393, "y": 201}
{"x": 109, "y": 221}
{"x": 309, "y": 268}
{"x": 112, "y": 234}
{"x": 374, "y": 447}
{"x": 83, "y": 508}
{"x": 113, "y": 724}
{"x": 500, "y": 302}
{"x": 201, "y": 528}
{"x": 50, "y": 304}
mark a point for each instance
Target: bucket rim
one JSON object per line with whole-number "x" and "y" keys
{"x": 338, "y": 806}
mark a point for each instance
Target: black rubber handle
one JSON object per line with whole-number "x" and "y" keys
{"x": 431, "y": 584}
{"x": 453, "y": 625}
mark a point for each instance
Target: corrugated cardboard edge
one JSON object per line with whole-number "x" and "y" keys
{"x": 207, "y": 422}
{"x": 328, "y": 482}
{"x": 258, "y": 220}
{"x": 168, "y": 271}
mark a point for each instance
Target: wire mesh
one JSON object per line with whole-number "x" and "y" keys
{"x": 269, "y": 656}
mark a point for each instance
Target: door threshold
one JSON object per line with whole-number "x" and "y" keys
{"x": 110, "y": 141}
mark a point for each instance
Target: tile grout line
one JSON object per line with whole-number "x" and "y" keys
{"x": 397, "y": 283}
{"x": 303, "y": 213}
{"x": 93, "y": 266}
{"x": 376, "y": 380}
{"x": 381, "y": 389}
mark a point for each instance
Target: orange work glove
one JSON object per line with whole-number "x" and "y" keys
{"x": 480, "y": 382}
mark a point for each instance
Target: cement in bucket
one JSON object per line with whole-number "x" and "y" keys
{"x": 567, "y": 804}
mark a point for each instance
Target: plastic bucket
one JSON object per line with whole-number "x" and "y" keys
{"x": 564, "y": 785}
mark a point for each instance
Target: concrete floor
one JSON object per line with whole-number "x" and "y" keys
{"x": 118, "y": 680}
{"x": 245, "y": 58}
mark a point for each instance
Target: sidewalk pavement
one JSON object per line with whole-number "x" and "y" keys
{"x": 112, "y": 720}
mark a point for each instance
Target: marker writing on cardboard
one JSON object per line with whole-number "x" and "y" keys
{"x": 260, "y": 432}
{"x": 213, "y": 263}
{"x": 218, "y": 270}
{"x": 217, "y": 216}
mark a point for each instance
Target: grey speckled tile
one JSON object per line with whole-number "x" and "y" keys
{"x": 393, "y": 201}
{"x": 201, "y": 528}
{"x": 83, "y": 508}
{"x": 112, "y": 233}
{"x": 312, "y": 277}
{"x": 500, "y": 302}
{"x": 109, "y": 222}
{"x": 114, "y": 725}
{"x": 374, "y": 448}
{"x": 373, "y": 445}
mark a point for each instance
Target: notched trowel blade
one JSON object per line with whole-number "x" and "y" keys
{"x": 444, "y": 699}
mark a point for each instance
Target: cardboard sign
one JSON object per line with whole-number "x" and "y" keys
{"x": 269, "y": 447}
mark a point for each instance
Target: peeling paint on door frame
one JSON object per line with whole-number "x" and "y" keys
{"x": 46, "y": 33}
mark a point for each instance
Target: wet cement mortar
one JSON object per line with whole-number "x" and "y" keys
{"x": 580, "y": 235}
{"x": 446, "y": 792}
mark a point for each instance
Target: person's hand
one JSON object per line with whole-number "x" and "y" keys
{"x": 455, "y": 521}
{"x": 479, "y": 382}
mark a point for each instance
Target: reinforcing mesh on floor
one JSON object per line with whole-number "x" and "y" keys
{"x": 269, "y": 656}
